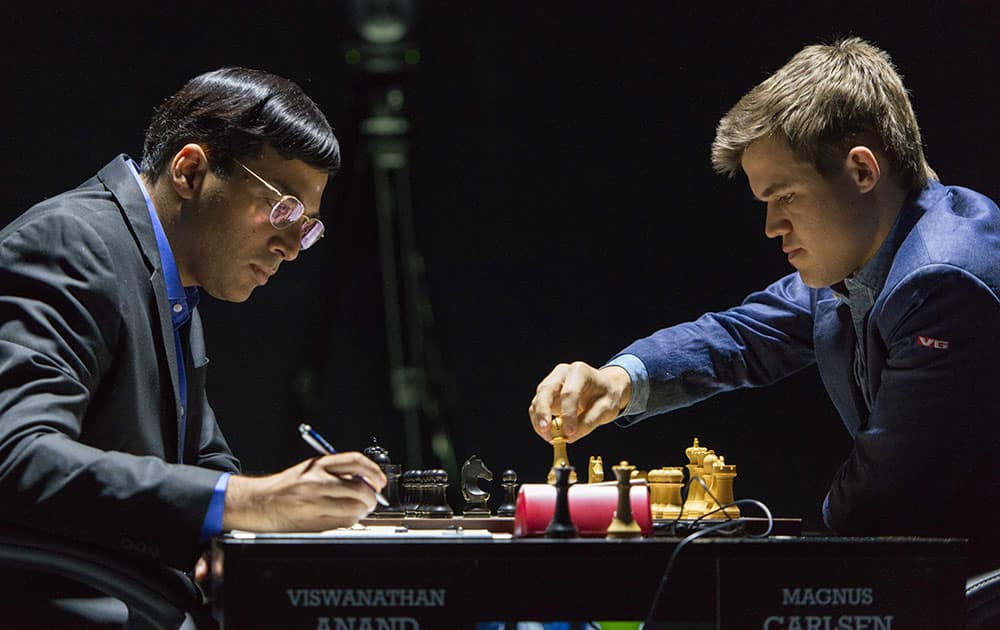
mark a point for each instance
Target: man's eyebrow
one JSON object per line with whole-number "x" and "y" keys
{"x": 285, "y": 189}
{"x": 770, "y": 190}
{"x": 288, "y": 190}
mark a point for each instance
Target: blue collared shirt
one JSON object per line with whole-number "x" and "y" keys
{"x": 183, "y": 301}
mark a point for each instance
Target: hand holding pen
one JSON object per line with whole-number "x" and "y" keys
{"x": 321, "y": 446}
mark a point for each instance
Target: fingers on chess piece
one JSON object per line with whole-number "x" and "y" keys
{"x": 559, "y": 456}
{"x": 475, "y": 497}
{"x": 561, "y": 525}
{"x": 509, "y": 505}
{"x": 623, "y": 525}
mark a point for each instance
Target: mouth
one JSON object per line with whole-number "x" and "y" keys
{"x": 792, "y": 252}
{"x": 261, "y": 274}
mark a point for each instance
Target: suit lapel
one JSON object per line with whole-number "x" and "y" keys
{"x": 118, "y": 179}
{"x": 834, "y": 339}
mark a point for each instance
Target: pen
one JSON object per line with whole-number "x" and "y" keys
{"x": 321, "y": 446}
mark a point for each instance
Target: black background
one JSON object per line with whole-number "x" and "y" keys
{"x": 564, "y": 202}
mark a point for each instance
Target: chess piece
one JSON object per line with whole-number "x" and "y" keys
{"x": 509, "y": 505}
{"x": 706, "y": 475}
{"x": 637, "y": 475}
{"x": 377, "y": 454}
{"x": 559, "y": 457}
{"x": 561, "y": 525}
{"x": 595, "y": 471}
{"x": 694, "y": 504}
{"x": 623, "y": 525}
{"x": 395, "y": 508}
{"x": 475, "y": 498}
{"x": 423, "y": 488}
{"x": 411, "y": 492}
{"x": 380, "y": 456}
{"x": 723, "y": 489}
{"x": 665, "y": 492}
{"x": 437, "y": 499}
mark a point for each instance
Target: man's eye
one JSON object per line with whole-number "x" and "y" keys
{"x": 786, "y": 198}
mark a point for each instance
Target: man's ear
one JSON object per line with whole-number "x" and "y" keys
{"x": 863, "y": 167}
{"x": 188, "y": 170}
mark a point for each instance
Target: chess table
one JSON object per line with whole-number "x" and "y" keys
{"x": 461, "y": 578}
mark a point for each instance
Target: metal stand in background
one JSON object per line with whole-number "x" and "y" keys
{"x": 414, "y": 359}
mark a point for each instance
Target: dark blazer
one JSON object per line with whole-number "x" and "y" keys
{"x": 88, "y": 379}
{"x": 926, "y": 440}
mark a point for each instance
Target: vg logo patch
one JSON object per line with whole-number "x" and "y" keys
{"x": 931, "y": 342}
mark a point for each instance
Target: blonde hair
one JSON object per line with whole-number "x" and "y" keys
{"x": 823, "y": 101}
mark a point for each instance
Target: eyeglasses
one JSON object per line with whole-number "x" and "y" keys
{"x": 287, "y": 211}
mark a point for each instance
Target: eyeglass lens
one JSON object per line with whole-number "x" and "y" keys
{"x": 286, "y": 212}
{"x": 311, "y": 232}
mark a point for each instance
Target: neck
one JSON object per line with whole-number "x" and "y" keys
{"x": 888, "y": 202}
{"x": 167, "y": 205}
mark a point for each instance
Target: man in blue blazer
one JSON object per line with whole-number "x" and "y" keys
{"x": 896, "y": 298}
{"x": 106, "y": 435}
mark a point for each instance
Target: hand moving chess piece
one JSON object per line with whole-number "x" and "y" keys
{"x": 475, "y": 498}
{"x": 509, "y": 505}
{"x": 595, "y": 471}
{"x": 561, "y": 525}
{"x": 623, "y": 525}
{"x": 559, "y": 457}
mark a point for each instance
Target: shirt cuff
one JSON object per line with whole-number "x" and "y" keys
{"x": 212, "y": 526}
{"x": 640, "y": 383}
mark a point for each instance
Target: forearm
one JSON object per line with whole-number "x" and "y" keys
{"x": 766, "y": 338}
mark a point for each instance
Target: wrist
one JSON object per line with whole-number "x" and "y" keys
{"x": 621, "y": 386}
{"x": 239, "y": 512}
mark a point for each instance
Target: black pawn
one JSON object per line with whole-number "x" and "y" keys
{"x": 561, "y": 525}
{"x": 411, "y": 492}
{"x": 423, "y": 488}
{"x": 395, "y": 508}
{"x": 509, "y": 505}
{"x": 437, "y": 502}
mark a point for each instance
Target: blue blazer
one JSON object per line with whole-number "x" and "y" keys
{"x": 925, "y": 458}
{"x": 88, "y": 380}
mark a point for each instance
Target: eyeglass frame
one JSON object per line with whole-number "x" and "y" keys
{"x": 298, "y": 204}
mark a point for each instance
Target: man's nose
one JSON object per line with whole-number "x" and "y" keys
{"x": 288, "y": 242}
{"x": 775, "y": 223}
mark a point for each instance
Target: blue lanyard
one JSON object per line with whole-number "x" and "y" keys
{"x": 182, "y": 303}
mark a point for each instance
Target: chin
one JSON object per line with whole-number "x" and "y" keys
{"x": 812, "y": 281}
{"x": 235, "y": 295}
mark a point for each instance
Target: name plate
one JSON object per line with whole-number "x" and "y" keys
{"x": 831, "y": 593}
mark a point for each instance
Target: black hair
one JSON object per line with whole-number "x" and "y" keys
{"x": 235, "y": 112}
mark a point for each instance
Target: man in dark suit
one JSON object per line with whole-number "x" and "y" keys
{"x": 106, "y": 436}
{"x": 895, "y": 297}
